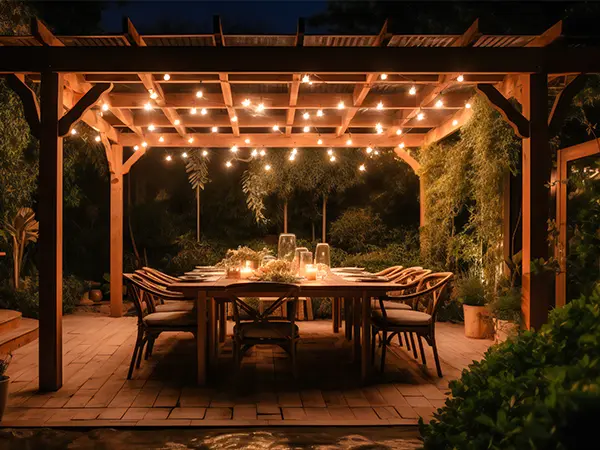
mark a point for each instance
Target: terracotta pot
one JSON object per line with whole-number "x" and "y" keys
{"x": 478, "y": 323}
{"x": 4, "y": 382}
{"x": 95, "y": 295}
{"x": 504, "y": 329}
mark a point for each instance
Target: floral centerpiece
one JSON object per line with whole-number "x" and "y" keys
{"x": 239, "y": 257}
{"x": 278, "y": 271}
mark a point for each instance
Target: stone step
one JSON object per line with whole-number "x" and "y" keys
{"x": 9, "y": 320}
{"x": 26, "y": 332}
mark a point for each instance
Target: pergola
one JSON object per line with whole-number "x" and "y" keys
{"x": 388, "y": 91}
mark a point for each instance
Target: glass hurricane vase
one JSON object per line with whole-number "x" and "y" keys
{"x": 286, "y": 247}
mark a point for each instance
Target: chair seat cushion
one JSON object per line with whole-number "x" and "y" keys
{"x": 169, "y": 306}
{"x": 265, "y": 330}
{"x": 390, "y": 305}
{"x": 169, "y": 319}
{"x": 401, "y": 317}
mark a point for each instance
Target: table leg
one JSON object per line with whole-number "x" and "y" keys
{"x": 201, "y": 337}
{"x": 335, "y": 305}
{"x": 348, "y": 318}
{"x": 356, "y": 316}
{"x": 213, "y": 341}
{"x": 366, "y": 338}
{"x": 222, "y": 322}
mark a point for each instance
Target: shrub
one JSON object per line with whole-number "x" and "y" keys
{"x": 358, "y": 230}
{"x": 470, "y": 290}
{"x": 192, "y": 253}
{"x": 404, "y": 254}
{"x": 538, "y": 390}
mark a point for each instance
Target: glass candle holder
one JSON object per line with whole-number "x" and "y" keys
{"x": 305, "y": 258}
{"x": 296, "y": 262}
{"x": 323, "y": 255}
{"x": 267, "y": 259}
{"x": 286, "y": 247}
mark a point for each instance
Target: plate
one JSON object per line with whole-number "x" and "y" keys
{"x": 372, "y": 280}
{"x": 192, "y": 278}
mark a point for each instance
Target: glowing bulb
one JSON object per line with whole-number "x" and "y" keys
{"x": 460, "y": 78}
{"x": 73, "y": 131}
{"x": 144, "y": 144}
{"x": 379, "y": 130}
{"x": 166, "y": 77}
{"x": 376, "y": 152}
{"x": 306, "y": 129}
{"x": 205, "y": 153}
{"x": 267, "y": 167}
{"x": 320, "y": 141}
{"x": 190, "y": 140}
{"x": 412, "y": 90}
{"x": 161, "y": 139}
{"x": 439, "y": 104}
{"x": 349, "y": 142}
{"x": 168, "y": 157}
{"x": 177, "y": 122}
{"x": 228, "y": 164}
{"x": 454, "y": 122}
{"x": 275, "y": 127}
{"x": 294, "y": 151}
{"x": 401, "y": 145}
{"x": 97, "y": 138}
{"x": 234, "y": 149}
{"x": 199, "y": 94}
{"x": 214, "y": 129}
{"x": 203, "y": 111}
{"x": 369, "y": 150}
{"x": 246, "y": 102}
{"x": 247, "y": 140}
{"x": 383, "y": 76}
{"x": 153, "y": 95}
{"x": 260, "y": 107}
{"x": 319, "y": 113}
{"x": 105, "y": 107}
{"x": 136, "y": 148}
{"x": 420, "y": 116}
{"x": 151, "y": 127}
{"x": 262, "y": 153}
{"x": 468, "y": 105}
{"x": 193, "y": 111}
{"x": 398, "y": 132}
{"x": 234, "y": 119}
{"x": 184, "y": 155}
{"x": 306, "y": 116}
{"x": 332, "y": 158}
{"x": 380, "y": 105}
{"x": 254, "y": 153}
{"x": 292, "y": 157}
{"x": 330, "y": 152}
{"x": 362, "y": 168}
{"x": 148, "y": 106}
{"x": 306, "y": 79}
{"x": 341, "y": 105}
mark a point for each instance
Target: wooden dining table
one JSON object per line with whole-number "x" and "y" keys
{"x": 334, "y": 286}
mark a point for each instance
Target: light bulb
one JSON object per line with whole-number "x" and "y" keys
{"x": 190, "y": 140}
{"x": 341, "y": 105}
{"x": 193, "y": 111}
{"x": 234, "y": 149}
{"x": 330, "y": 152}
{"x": 398, "y": 132}
{"x": 151, "y": 127}
{"x": 228, "y": 164}
{"x": 254, "y": 153}
{"x": 166, "y": 77}
{"x": 306, "y": 116}
{"x": 379, "y": 130}
{"x": 460, "y": 78}
{"x": 294, "y": 151}
{"x": 105, "y": 107}
{"x": 203, "y": 111}
{"x": 319, "y": 113}
{"x": 376, "y": 152}
{"x": 97, "y": 138}
{"x": 369, "y": 150}
{"x": 247, "y": 140}
{"x": 454, "y": 122}
{"x": 332, "y": 158}
{"x": 320, "y": 141}
{"x": 306, "y": 129}
{"x": 184, "y": 155}
{"x": 306, "y": 79}
{"x": 439, "y": 104}
{"x": 383, "y": 76}
{"x": 153, "y": 95}
{"x": 214, "y": 129}
{"x": 161, "y": 139}
{"x": 267, "y": 167}
{"x": 136, "y": 148}
{"x": 205, "y": 153}
{"x": 380, "y": 105}
{"x": 260, "y": 107}
{"x": 412, "y": 90}
{"x": 177, "y": 122}
{"x": 234, "y": 119}
{"x": 362, "y": 168}
{"x": 73, "y": 131}
{"x": 420, "y": 116}
{"x": 292, "y": 157}
{"x": 349, "y": 142}
{"x": 262, "y": 152}
{"x": 468, "y": 105}
{"x": 401, "y": 145}
{"x": 246, "y": 102}
{"x": 199, "y": 94}
{"x": 144, "y": 144}
{"x": 148, "y": 106}
{"x": 275, "y": 127}
{"x": 168, "y": 157}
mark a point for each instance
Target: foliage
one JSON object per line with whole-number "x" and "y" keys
{"x": 4, "y": 363}
{"x": 538, "y": 390}
{"x": 197, "y": 169}
{"x": 357, "y": 230}
{"x": 237, "y": 258}
{"x": 192, "y": 253}
{"x": 405, "y": 253}
{"x": 22, "y": 230}
{"x": 278, "y": 271}
{"x": 470, "y": 290}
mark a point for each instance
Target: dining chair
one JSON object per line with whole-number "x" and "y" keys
{"x": 264, "y": 327}
{"x": 420, "y": 322}
{"x": 389, "y": 270}
{"x": 151, "y": 323}
{"x": 169, "y": 300}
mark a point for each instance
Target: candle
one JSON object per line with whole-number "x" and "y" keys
{"x": 246, "y": 271}
{"x": 310, "y": 271}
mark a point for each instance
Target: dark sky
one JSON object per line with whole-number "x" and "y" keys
{"x": 196, "y": 16}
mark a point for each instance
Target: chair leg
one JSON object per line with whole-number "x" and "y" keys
{"x": 422, "y": 351}
{"x": 138, "y": 341}
{"x": 348, "y": 321}
{"x": 139, "y": 356}
{"x": 436, "y": 357}
{"x": 293, "y": 357}
{"x": 222, "y": 322}
{"x": 373, "y": 339}
{"x": 383, "y": 350}
{"x": 149, "y": 348}
{"x": 309, "y": 308}
{"x": 414, "y": 347}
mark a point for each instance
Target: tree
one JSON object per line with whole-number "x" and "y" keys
{"x": 22, "y": 230}
{"x": 197, "y": 170}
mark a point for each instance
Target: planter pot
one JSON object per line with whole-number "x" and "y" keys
{"x": 95, "y": 295}
{"x": 478, "y": 323}
{"x": 504, "y": 329}
{"x": 4, "y": 382}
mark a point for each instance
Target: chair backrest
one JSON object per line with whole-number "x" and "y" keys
{"x": 409, "y": 281}
{"x": 431, "y": 288}
{"x": 136, "y": 288}
{"x": 158, "y": 289}
{"x": 389, "y": 271}
{"x": 152, "y": 278}
{"x": 157, "y": 273}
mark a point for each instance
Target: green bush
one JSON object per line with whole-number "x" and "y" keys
{"x": 540, "y": 390}
{"x": 405, "y": 254}
{"x": 192, "y": 253}
{"x": 358, "y": 230}
{"x": 470, "y": 290}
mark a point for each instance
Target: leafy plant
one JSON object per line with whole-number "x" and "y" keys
{"x": 539, "y": 390}
{"x": 357, "y": 230}
{"x": 22, "y": 230}
{"x": 4, "y": 363}
{"x": 470, "y": 290}
{"x": 236, "y": 258}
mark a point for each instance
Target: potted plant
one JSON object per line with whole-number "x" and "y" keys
{"x": 4, "y": 382}
{"x": 470, "y": 291}
{"x": 506, "y": 311}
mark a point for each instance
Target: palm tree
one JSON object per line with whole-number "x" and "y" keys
{"x": 23, "y": 229}
{"x": 197, "y": 170}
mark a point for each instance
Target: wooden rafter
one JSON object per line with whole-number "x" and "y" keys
{"x": 291, "y": 111}
{"x": 228, "y": 99}
{"x": 407, "y": 157}
{"x": 548, "y": 36}
{"x": 127, "y": 165}
{"x": 31, "y": 107}
{"x": 501, "y": 104}
{"x": 83, "y": 105}
{"x": 448, "y": 127}
{"x": 563, "y": 102}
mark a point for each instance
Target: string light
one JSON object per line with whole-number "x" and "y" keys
{"x": 320, "y": 141}
{"x": 306, "y": 129}
{"x": 203, "y": 111}
{"x": 468, "y": 105}
{"x": 376, "y": 152}
{"x": 228, "y": 164}
{"x": 168, "y": 158}
{"x": 420, "y": 116}
{"x": 190, "y": 140}
{"x": 262, "y": 152}
{"x": 341, "y": 105}
{"x": 73, "y": 131}
{"x": 205, "y": 153}
{"x": 332, "y": 158}
{"x": 460, "y": 78}
{"x": 153, "y": 95}
{"x": 136, "y": 148}
{"x": 161, "y": 139}
{"x": 454, "y": 122}
{"x": 380, "y": 105}
{"x": 148, "y": 106}
{"x": 199, "y": 94}
{"x": 292, "y": 157}
{"x": 398, "y": 132}
{"x": 362, "y": 168}
{"x": 260, "y": 107}
{"x": 306, "y": 79}
{"x": 144, "y": 144}
{"x": 349, "y": 142}
{"x": 184, "y": 155}
{"x": 246, "y": 102}
{"x": 267, "y": 167}
{"x": 193, "y": 111}
{"x": 412, "y": 90}
{"x": 166, "y": 77}
{"x": 247, "y": 140}
{"x": 401, "y": 145}
{"x": 97, "y": 138}
{"x": 439, "y": 103}
{"x": 379, "y": 128}
{"x": 275, "y": 127}
{"x": 369, "y": 150}
{"x": 254, "y": 153}
{"x": 105, "y": 107}
{"x": 234, "y": 119}
{"x": 294, "y": 151}
{"x": 383, "y": 76}
{"x": 330, "y": 152}
{"x": 151, "y": 127}
{"x": 319, "y": 113}
{"x": 177, "y": 122}
{"x": 306, "y": 116}
{"x": 214, "y": 129}
{"x": 234, "y": 149}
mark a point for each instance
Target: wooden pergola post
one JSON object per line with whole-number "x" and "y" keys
{"x": 537, "y": 165}
{"x": 50, "y": 214}
{"x": 116, "y": 231}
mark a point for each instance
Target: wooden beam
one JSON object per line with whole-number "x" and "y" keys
{"x": 291, "y": 112}
{"x": 469, "y": 36}
{"x": 537, "y": 165}
{"x": 548, "y": 36}
{"x": 218, "y": 38}
{"x": 257, "y": 140}
{"x": 133, "y": 159}
{"x": 84, "y": 104}
{"x": 412, "y": 162}
{"x": 50, "y": 216}
{"x": 299, "y": 33}
{"x": 125, "y": 116}
{"x": 562, "y": 103}
{"x": 500, "y": 103}
{"x": 451, "y": 125}
{"x": 228, "y": 99}
{"x": 116, "y": 232}
{"x": 43, "y": 34}
{"x": 90, "y": 117}
{"x": 108, "y": 151}
{"x": 31, "y": 108}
